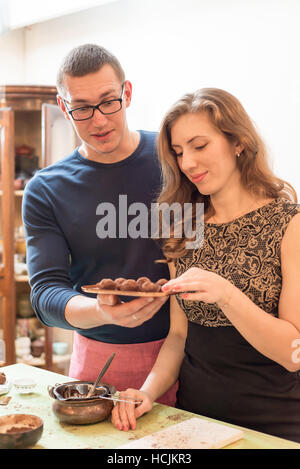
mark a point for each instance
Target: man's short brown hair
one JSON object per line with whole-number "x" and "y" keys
{"x": 85, "y": 59}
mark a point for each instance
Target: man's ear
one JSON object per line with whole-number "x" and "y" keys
{"x": 62, "y": 106}
{"x": 127, "y": 92}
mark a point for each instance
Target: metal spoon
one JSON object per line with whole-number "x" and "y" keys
{"x": 111, "y": 397}
{"x": 101, "y": 374}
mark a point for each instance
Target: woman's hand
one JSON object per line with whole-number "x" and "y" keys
{"x": 206, "y": 286}
{"x": 124, "y": 415}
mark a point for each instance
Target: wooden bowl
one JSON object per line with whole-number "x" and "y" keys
{"x": 20, "y": 430}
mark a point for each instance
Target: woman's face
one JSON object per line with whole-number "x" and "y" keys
{"x": 204, "y": 154}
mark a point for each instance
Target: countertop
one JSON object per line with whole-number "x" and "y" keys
{"x": 104, "y": 435}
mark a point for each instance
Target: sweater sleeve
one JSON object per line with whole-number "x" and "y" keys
{"x": 47, "y": 256}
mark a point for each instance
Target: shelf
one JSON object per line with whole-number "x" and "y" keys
{"x": 18, "y": 278}
{"x": 39, "y": 361}
{"x": 21, "y": 278}
{"x": 18, "y": 193}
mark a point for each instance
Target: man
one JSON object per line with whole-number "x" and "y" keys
{"x": 61, "y": 209}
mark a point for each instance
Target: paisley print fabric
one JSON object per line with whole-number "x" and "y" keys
{"x": 245, "y": 251}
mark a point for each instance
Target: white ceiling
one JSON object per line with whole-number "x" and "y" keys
{"x": 19, "y": 13}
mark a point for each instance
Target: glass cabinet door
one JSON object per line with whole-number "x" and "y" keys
{"x": 58, "y": 136}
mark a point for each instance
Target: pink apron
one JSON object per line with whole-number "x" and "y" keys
{"x": 129, "y": 368}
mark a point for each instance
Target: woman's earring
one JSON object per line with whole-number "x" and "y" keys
{"x": 238, "y": 155}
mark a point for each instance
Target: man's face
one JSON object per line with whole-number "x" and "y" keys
{"x": 102, "y": 134}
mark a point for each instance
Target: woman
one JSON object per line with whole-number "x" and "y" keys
{"x": 232, "y": 339}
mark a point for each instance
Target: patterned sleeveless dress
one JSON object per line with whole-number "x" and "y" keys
{"x": 222, "y": 375}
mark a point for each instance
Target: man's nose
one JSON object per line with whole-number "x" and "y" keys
{"x": 99, "y": 118}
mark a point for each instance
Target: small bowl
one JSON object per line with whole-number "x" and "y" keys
{"x": 60, "y": 348}
{"x": 20, "y": 430}
{"x": 37, "y": 348}
{"x": 4, "y": 388}
{"x": 24, "y": 385}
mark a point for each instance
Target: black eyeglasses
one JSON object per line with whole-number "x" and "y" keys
{"x": 87, "y": 112}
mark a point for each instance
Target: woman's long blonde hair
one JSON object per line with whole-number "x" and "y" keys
{"x": 227, "y": 115}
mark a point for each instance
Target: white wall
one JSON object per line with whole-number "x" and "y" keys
{"x": 12, "y": 57}
{"x": 169, "y": 47}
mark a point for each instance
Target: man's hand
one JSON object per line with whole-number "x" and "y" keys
{"x": 132, "y": 314}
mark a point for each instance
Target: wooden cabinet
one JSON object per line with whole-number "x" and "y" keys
{"x": 28, "y": 116}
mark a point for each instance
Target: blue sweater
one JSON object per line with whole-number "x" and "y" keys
{"x": 64, "y": 250}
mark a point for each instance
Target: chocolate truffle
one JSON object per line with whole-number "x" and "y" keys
{"x": 107, "y": 284}
{"x": 129, "y": 285}
{"x": 2, "y": 378}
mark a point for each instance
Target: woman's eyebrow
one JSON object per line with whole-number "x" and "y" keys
{"x": 196, "y": 136}
{"x": 190, "y": 140}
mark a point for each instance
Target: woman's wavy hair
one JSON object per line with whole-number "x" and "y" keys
{"x": 228, "y": 116}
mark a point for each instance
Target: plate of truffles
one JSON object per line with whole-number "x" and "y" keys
{"x": 143, "y": 286}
